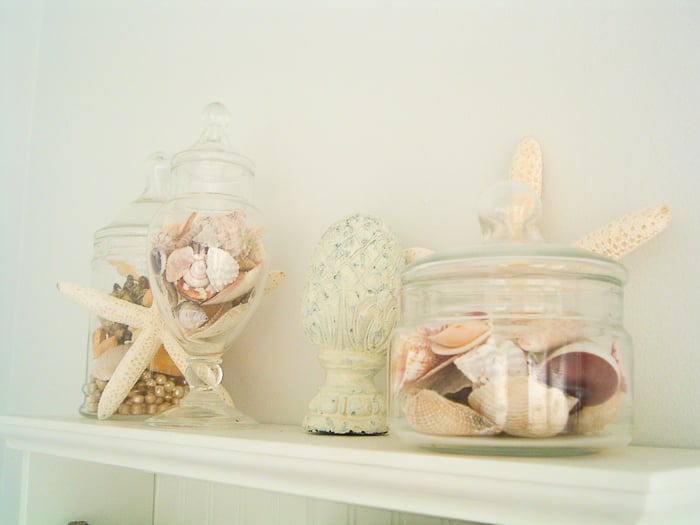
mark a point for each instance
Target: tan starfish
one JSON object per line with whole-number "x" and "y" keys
{"x": 151, "y": 333}
{"x": 615, "y": 240}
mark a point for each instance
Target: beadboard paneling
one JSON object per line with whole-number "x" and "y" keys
{"x": 98, "y": 494}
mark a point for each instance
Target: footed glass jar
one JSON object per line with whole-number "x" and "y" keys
{"x": 119, "y": 267}
{"x": 513, "y": 347}
{"x": 208, "y": 268}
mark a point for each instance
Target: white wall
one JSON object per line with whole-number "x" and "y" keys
{"x": 407, "y": 113}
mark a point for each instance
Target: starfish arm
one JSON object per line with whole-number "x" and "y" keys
{"x": 224, "y": 395}
{"x": 175, "y": 351}
{"x": 415, "y": 252}
{"x": 526, "y": 165}
{"x": 106, "y": 306}
{"x": 128, "y": 371}
{"x": 274, "y": 279}
{"x": 179, "y": 357}
{"x": 627, "y": 233}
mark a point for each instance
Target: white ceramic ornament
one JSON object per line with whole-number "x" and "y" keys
{"x": 349, "y": 308}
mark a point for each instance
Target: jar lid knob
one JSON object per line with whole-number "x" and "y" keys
{"x": 510, "y": 211}
{"x": 216, "y": 119}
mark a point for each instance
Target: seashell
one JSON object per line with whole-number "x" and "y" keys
{"x": 548, "y": 334}
{"x": 457, "y": 338}
{"x": 222, "y": 269}
{"x": 444, "y": 379}
{"x": 414, "y": 359}
{"x": 104, "y": 366}
{"x": 430, "y": 413}
{"x": 224, "y": 231}
{"x": 195, "y": 294}
{"x": 178, "y": 263}
{"x": 244, "y": 283}
{"x": 196, "y": 274}
{"x": 583, "y": 370}
{"x": 158, "y": 258}
{"x": 524, "y": 406}
{"x": 595, "y": 418}
{"x": 226, "y": 322}
{"x": 190, "y": 315}
{"x": 162, "y": 363}
{"x": 104, "y": 345}
{"x": 492, "y": 359}
{"x": 147, "y": 299}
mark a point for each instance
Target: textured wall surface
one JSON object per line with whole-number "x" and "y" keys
{"x": 404, "y": 113}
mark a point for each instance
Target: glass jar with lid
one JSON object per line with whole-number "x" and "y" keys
{"x": 208, "y": 267}
{"x": 120, "y": 268}
{"x": 515, "y": 346}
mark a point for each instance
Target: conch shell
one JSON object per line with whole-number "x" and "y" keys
{"x": 430, "y": 413}
{"x": 413, "y": 360}
{"x": 526, "y": 407}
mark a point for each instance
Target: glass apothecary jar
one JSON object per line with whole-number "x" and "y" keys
{"x": 208, "y": 268}
{"x": 120, "y": 267}
{"x": 514, "y": 346}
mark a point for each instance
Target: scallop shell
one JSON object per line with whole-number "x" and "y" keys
{"x": 584, "y": 370}
{"x": 492, "y": 359}
{"x": 547, "y": 334}
{"x": 596, "y": 418}
{"x": 430, "y": 413}
{"x": 104, "y": 366}
{"x": 526, "y": 407}
{"x": 457, "y": 338}
{"x": 178, "y": 263}
{"x": 222, "y": 269}
{"x": 414, "y": 359}
{"x": 244, "y": 283}
{"x": 191, "y": 316}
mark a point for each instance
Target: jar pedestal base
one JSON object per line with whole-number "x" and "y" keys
{"x": 202, "y": 409}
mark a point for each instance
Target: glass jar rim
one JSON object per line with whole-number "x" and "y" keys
{"x": 511, "y": 260}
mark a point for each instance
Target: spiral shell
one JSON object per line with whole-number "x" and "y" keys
{"x": 196, "y": 274}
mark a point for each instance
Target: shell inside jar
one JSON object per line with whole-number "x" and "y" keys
{"x": 528, "y": 378}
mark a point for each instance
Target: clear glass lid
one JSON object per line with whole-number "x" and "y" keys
{"x": 212, "y": 165}
{"x": 512, "y": 246}
{"x": 135, "y": 218}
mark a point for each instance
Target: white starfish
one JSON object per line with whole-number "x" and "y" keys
{"x": 152, "y": 332}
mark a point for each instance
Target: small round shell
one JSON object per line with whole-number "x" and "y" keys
{"x": 196, "y": 274}
{"x": 191, "y": 316}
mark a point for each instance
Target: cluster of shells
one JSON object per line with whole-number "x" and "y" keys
{"x": 532, "y": 379}
{"x": 208, "y": 267}
{"x": 109, "y": 343}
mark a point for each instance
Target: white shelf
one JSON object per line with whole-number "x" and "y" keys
{"x": 632, "y": 485}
